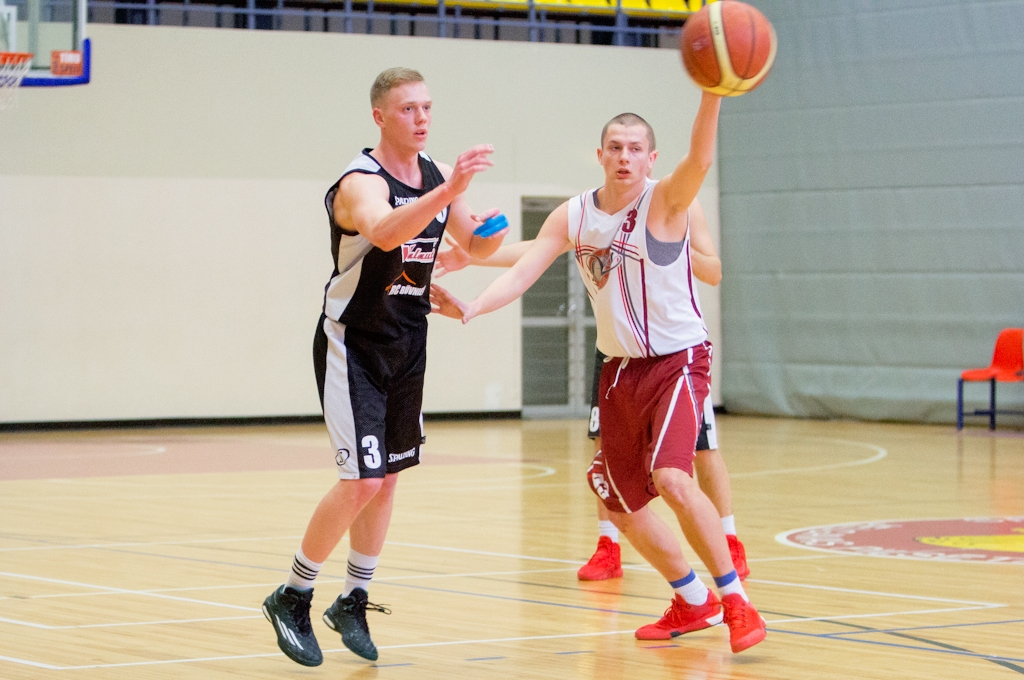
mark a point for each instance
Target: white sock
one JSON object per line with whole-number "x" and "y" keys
{"x": 729, "y": 524}
{"x": 303, "y": 573}
{"x": 691, "y": 588}
{"x": 360, "y": 571}
{"x": 729, "y": 584}
{"x": 606, "y": 528}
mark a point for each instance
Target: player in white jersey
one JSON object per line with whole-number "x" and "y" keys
{"x": 649, "y": 321}
{"x": 712, "y": 473}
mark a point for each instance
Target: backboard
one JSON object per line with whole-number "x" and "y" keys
{"x": 54, "y": 31}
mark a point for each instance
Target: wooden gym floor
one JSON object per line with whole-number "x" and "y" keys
{"x": 147, "y": 554}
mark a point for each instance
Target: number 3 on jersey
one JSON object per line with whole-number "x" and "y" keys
{"x": 371, "y": 458}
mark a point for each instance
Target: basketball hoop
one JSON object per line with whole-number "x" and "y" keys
{"x": 13, "y": 67}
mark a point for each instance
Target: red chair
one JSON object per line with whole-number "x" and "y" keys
{"x": 1007, "y": 366}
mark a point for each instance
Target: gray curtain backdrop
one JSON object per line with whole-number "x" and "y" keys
{"x": 872, "y": 203}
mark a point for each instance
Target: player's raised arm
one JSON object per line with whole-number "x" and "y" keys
{"x": 362, "y": 202}
{"x": 706, "y": 265}
{"x": 675, "y": 193}
{"x": 551, "y": 242}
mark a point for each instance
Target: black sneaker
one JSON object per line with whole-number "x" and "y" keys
{"x": 288, "y": 610}
{"x": 348, "y": 616}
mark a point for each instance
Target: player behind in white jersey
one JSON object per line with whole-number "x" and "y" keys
{"x": 712, "y": 473}
{"x": 648, "y": 320}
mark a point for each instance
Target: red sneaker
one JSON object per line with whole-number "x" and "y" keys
{"x": 681, "y": 618}
{"x": 746, "y": 627}
{"x": 605, "y": 563}
{"x": 739, "y": 557}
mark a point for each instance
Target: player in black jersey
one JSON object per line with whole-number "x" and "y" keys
{"x": 387, "y": 212}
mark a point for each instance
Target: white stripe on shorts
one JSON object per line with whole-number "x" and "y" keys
{"x": 615, "y": 489}
{"x": 338, "y": 416}
{"x": 668, "y": 418}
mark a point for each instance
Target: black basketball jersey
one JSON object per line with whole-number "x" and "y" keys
{"x": 386, "y": 294}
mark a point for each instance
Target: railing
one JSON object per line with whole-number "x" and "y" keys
{"x": 636, "y": 23}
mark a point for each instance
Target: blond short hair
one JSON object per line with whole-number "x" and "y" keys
{"x": 629, "y": 120}
{"x": 389, "y": 80}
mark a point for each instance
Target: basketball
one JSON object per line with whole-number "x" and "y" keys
{"x": 728, "y": 47}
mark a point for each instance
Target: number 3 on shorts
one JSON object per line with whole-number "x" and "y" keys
{"x": 371, "y": 458}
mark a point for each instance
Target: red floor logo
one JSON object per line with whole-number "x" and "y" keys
{"x": 983, "y": 539}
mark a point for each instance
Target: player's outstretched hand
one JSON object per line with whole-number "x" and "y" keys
{"x": 451, "y": 260}
{"x": 469, "y": 163}
{"x": 444, "y": 303}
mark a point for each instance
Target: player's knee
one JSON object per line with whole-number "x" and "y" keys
{"x": 361, "y": 491}
{"x": 675, "y": 486}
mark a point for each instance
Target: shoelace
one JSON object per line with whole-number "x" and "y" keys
{"x": 355, "y": 606}
{"x": 298, "y": 606}
{"x": 736, "y": 616}
{"x": 672, "y": 615}
{"x": 359, "y": 607}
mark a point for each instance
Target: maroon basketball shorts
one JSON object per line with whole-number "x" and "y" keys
{"x": 651, "y": 412}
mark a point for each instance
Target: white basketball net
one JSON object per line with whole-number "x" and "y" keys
{"x": 13, "y": 67}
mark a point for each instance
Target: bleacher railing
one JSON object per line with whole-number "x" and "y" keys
{"x": 638, "y": 23}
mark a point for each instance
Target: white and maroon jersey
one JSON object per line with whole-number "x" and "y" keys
{"x": 643, "y": 309}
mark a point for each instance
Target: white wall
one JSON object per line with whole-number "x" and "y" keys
{"x": 163, "y": 243}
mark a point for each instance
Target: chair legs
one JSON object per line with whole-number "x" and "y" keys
{"x": 991, "y": 412}
{"x": 992, "y": 404}
{"x": 960, "y": 404}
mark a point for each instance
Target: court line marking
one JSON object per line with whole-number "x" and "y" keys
{"x": 880, "y": 453}
{"x": 136, "y": 544}
{"x": 123, "y": 591}
{"x": 450, "y": 643}
{"x": 845, "y": 617}
{"x": 794, "y": 558}
{"x": 485, "y": 553}
{"x": 934, "y": 650}
{"x": 146, "y": 450}
{"x": 122, "y": 624}
{"x": 109, "y": 590}
{"x": 34, "y": 664}
{"x": 945, "y": 625}
{"x": 320, "y": 579}
{"x": 856, "y": 591}
{"x": 413, "y": 645}
{"x": 395, "y": 581}
{"x": 154, "y": 593}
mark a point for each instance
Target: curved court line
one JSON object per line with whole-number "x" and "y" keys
{"x": 543, "y": 471}
{"x": 483, "y": 552}
{"x": 880, "y": 453}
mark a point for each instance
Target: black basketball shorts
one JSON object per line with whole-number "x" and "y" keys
{"x": 707, "y": 438}
{"x": 371, "y": 397}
